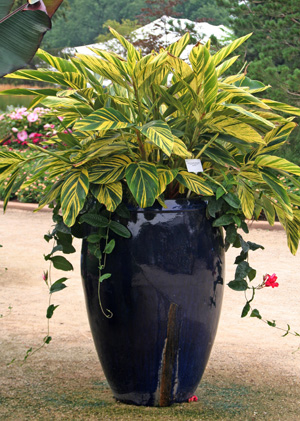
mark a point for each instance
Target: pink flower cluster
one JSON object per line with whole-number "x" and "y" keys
{"x": 270, "y": 280}
{"x": 25, "y": 126}
{"x": 193, "y": 399}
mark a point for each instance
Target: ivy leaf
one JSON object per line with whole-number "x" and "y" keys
{"x": 105, "y": 276}
{"x": 242, "y": 270}
{"x": 254, "y": 246}
{"x": 94, "y": 220}
{"x": 246, "y": 309}
{"x": 238, "y": 285}
{"x": 120, "y": 229}
{"x": 61, "y": 263}
{"x": 109, "y": 247}
{"x": 50, "y": 311}
{"x": 223, "y": 220}
{"x": 241, "y": 257}
{"x": 255, "y": 313}
{"x": 58, "y": 285}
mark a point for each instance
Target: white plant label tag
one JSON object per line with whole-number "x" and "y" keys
{"x": 194, "y": 165}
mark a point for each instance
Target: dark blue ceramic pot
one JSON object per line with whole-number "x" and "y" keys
{"x": 165, "y": 294}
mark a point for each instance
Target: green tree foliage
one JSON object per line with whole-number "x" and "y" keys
{"x": 272, "y": 53}
{"x": 85, "y": 19}
{"x": 124, "y": 28}
{"x": 205, "y": 10}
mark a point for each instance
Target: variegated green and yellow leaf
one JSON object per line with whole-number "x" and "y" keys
{"x": 133, "y": 55}
{"x": 278, "y": 192}
{"x": 165, "y": 177}
{"x": 73, "y": 194}
{"x": 194, "y": 183}
{"x": 110, "y": 170}
{"x": 240, "y": 110}
{"x": 159, "y": 133}
{"x": 51, "y": 195}
{"x": 279, "y": 164}
{"x": 225, "y": 65}
{"x": 116, "y": 61}
{"x": 103, "y": 119}
{"x": 179, "y": 148}
{"x": 228, "y": 49}
{"x": 246, "y": 197}
{"x": 103, "y": 68}
{"x": 205, "y": 71}
{"x": 291, "y": 227}
{"x": 236, "y": 128}
{"x": 59, "y": 63}
{"x": 179, "y": 46}
{"x": 109, "y": 195}
{"x": 240, "y": 94}
{"x": 142, "y": 180}
{"x": 269, "y": 209}
{"x": 289, "y": 109}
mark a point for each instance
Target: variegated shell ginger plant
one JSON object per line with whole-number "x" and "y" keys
{"x": 133, "y": 122}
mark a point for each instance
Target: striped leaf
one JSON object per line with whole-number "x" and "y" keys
{"x": 194, "y": 183}
{"x": 103, "y": 119}
{"x": 142, "y": 180}
{"x": 236, "y": 128}
{"x": 103, "y": 68}
{"x": 117, "y": 62}
{"x": 228, "y": 49}
{"x": 165, "y": 177}
{"x": 133, "y": 55}
{"x": 269, "y": 209}
{"x": 241, "y": 110}
{"x": 109, "y": 195}
{"x": 61, "y": 64}
{"x": 73, "y": 80}
{"x": 292, "y": 229}
{"x": 225, "y": 65}
{"x": 246, "y": 197}
{"x": 179, "y": 148}
{"x": 51, "y": 195}
{"x": 159, "y": 133}
{"x": 278, "y": 191}
{"x": 22, "y": 91}
{"x": 282, "y": 107}
{"x": 178, "y": 47}
{"x": 73, "y": 194}
{"x": 240, "y": 94}
{"x": 109, "y": 170}
{"x": 205, "y": 71}
{"x": 280, "y": 164}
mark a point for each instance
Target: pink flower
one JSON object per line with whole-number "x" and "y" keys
{"x": 60, "y": 118}
{"x": 22, "y": 136}
{"x": 32, "y": 117}
{"x": 14, "y": 129}
{"x": 270, "y": 280}
{"x": 193, "y": 399}
{"x": 47, "y": 126}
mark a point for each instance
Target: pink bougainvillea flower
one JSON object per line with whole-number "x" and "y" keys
{"x": 22, "y": 135}
{"x": 32, "y": 117}
{"x": 270, "y": 280}
{"x": 193, "y": 399}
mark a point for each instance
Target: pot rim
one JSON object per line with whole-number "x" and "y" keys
{"x": 173, "y": 205}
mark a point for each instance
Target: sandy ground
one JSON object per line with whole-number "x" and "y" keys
{"x": 253, "y": 372}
